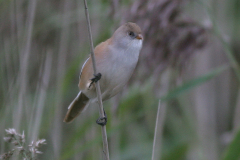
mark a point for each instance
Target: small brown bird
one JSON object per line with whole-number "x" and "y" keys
{"x": 116, "y": 59}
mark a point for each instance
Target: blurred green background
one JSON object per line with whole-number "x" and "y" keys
{"x": 190, "y": 60}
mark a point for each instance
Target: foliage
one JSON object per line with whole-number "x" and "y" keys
{"x": 44, "y": 44}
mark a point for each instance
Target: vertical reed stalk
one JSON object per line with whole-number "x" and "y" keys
{"x": 229, "y": 53}
{"x": 61, "y": 71}
{"x": 42, "y": 95}
{"x": 24, "y": 64}
{"x": 155, "y": 133}
{"x": 101, "y": 112}
{"x": 160, "y": 124}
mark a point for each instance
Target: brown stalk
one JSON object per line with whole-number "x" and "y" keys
{"x": 99, "y": 96}
{"x": 156, "y": 128}
{"x": 157, "y": 141}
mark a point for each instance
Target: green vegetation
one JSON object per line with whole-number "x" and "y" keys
{"x": 190, "y": 60}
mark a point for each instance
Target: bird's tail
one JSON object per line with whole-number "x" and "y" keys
{"x": 76, "y": 107}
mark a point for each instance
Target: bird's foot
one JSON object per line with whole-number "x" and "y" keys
{"x": 96, "y": 78}
{"x": 102, "y": 120}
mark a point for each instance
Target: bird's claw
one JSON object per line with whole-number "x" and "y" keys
{"x": 102, "y": 120}
{"x": 96, "y": 78}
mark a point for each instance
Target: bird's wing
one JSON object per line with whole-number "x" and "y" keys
{"x": 87, "y": 68}
{"x": 83, "y": 67}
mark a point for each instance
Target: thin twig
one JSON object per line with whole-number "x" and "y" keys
{"x": 158, "y": 135}
{"x": 99, "y": 96}
{"x": 156, "y": 128}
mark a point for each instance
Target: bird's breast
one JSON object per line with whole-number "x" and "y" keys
{"x": 122, "y": 63}
{"x": 116, "y": 70}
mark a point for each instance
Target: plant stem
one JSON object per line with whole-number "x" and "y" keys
{"x": 156, "y": 128}
{"x": 229, "y": 53}
{"x": 99, "y": 96}
{"x": 21, "y": 145}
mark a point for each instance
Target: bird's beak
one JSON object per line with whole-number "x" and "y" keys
{"x": 139, "y": 37}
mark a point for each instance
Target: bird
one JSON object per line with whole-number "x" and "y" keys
{"x": 116, "y": 59}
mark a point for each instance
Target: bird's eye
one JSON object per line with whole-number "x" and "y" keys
{"x": 131, "y": 34}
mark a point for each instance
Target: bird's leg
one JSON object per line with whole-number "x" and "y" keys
{"x": 96, "y": 78}
{"x": 102, "y": 120}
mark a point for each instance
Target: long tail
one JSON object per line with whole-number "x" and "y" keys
{"x": 76, "y": 107}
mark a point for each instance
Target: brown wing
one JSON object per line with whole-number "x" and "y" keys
{"x": 87, "y": 69}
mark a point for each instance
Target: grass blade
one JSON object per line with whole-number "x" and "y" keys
{"x": 193, "y": 83}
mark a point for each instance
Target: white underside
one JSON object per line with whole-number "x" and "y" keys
{"x": 116, "y": 69}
